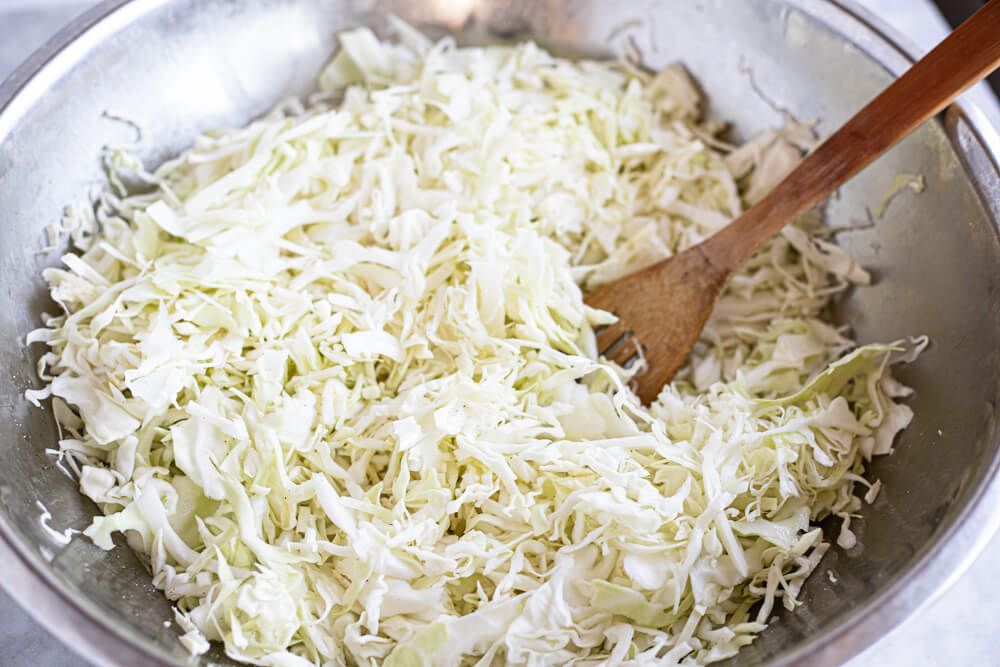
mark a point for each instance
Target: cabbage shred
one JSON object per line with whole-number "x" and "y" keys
{"x": 335, "y": 378}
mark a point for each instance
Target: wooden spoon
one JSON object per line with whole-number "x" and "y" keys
{"x": 663, "y": 307}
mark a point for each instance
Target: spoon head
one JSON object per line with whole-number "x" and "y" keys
{"x": 661, "y": 310}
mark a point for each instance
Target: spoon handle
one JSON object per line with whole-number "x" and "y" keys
{"x": 964, "y": 57}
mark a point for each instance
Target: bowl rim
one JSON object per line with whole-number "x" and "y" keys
{"x": 953, "y": 547}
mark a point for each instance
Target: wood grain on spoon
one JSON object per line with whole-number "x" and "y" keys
{"x": 663, "y": 307}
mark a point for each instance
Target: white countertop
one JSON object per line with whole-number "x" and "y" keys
{"x": 958, "y": 628}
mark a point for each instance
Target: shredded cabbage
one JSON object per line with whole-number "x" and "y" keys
{"x": 334, "y": 375}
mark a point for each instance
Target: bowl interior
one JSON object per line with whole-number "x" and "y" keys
{"x": 175, "y": 68}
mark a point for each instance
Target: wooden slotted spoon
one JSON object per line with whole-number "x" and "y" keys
{"x": 663, "y": 307}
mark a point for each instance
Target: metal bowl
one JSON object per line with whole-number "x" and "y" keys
{"x": 175, "y": 67}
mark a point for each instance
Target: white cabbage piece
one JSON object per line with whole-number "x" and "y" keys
{"x": 335, "y": 379}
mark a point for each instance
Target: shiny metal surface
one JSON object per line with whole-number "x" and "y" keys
{"x": 178, "y": 66}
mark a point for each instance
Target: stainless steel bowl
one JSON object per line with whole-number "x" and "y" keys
{"x": 174, "y": 67}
